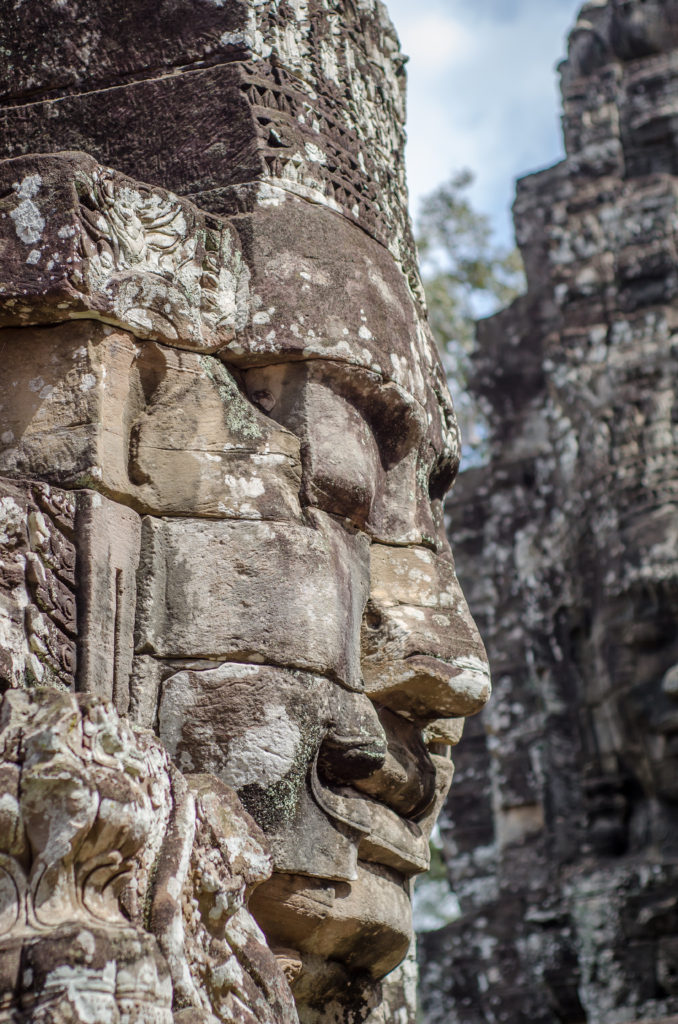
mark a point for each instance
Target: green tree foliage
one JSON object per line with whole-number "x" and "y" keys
{"x": 466, "y": 275}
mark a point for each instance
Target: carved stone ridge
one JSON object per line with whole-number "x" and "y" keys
{"x": 81, "y": 240}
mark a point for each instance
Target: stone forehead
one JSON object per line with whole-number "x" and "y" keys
{"x": 322, "y": 290}
{"x": 294, "y": 281}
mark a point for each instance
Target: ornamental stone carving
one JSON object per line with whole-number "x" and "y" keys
{"x": 122, "y": 883}
{"x": 225, "y": 445}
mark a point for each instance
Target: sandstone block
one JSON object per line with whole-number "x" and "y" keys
{"x": 82, "y": 240}
{"x": 383, "y": 453}
{"x": 340, "y": 296}
{"x": 289, "y": 594}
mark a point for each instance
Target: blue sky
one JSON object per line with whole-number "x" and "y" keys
{"x": 482, "y": 93}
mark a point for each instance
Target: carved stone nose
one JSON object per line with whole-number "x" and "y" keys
{"x": 422, "y": 655}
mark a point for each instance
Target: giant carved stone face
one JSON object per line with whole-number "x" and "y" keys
{"x": 260, "y": 457}
{"x": 346, "y": 656}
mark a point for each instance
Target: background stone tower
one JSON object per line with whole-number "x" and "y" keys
{"x": 567, "y": 867}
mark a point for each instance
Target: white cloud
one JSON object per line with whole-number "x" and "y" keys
{"x": 435, "y": 40}
{"x": 483, "y": 92}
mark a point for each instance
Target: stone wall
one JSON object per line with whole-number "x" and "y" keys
{"x": 561, "y": 835}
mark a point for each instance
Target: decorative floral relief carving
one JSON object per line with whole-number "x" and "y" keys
{"x": 37, "y": 586}
{"x": 102, "y": 246}
{"x": 123, "y": 885}
{"x": 88, "y": 808}
{"x": 168, "y": 276}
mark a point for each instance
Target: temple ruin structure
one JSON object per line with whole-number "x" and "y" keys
{"x": 567, "y": 866}
{"x": 225, "y": 440}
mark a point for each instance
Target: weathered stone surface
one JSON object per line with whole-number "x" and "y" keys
{"x": 338, "y": 296}
{"x": 422, "y": 655}
{"x": 104, "y": 44}
{"x": 221, "y": 965}
{"x": 268, "y": 732}
{"x": 227, "y": 549}
{"x": 566, "y": 868}
{"x": 68, "y": 562}
{"x": 98, "y": 829}
{"x": 400, "y": 438}
{"x": 251, "y": 421}
{"x": 165, "y": 431}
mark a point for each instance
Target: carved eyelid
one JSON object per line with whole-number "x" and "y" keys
{"x": 397, "y": 433}
{"x": 395, "y": 419}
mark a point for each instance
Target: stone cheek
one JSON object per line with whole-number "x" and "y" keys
{"x": 269, "y": 592}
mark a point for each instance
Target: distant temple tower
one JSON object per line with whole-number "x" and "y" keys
{"x": 567, "y": 869}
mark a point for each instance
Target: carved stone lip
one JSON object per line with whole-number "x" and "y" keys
{"x": 387, "y": 838}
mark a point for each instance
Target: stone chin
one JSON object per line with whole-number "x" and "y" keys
{"x": 358, "y": 922}
{"x": 350, "y": 903}
{"x": 360, "y": 927}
